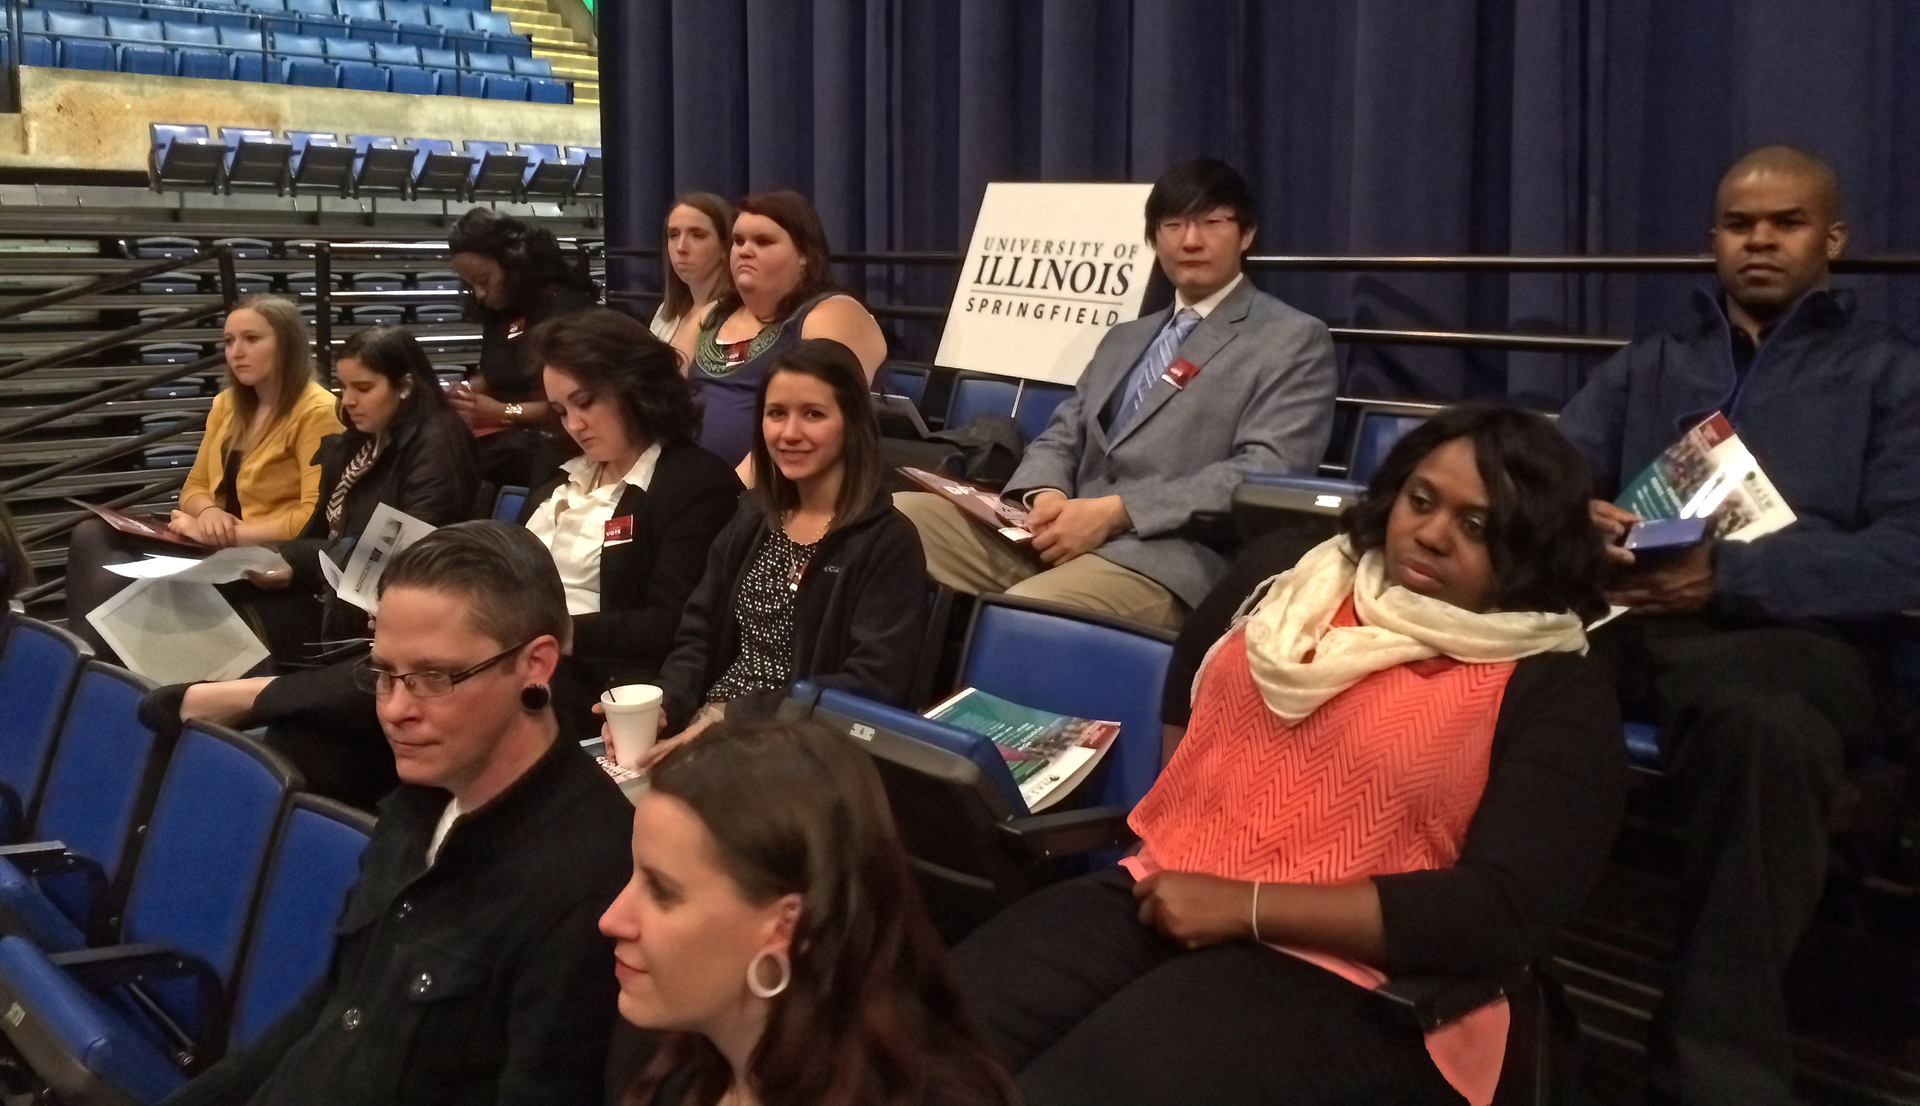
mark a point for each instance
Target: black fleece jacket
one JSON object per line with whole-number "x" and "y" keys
{"x": 858, "y": 618}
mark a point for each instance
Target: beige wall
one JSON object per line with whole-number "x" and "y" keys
{"x": 77, "y": 119}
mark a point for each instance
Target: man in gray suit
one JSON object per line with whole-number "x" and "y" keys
{"x": 1170, "y": 412}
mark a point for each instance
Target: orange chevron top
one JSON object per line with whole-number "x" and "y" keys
{"x": 1382, "y": 778}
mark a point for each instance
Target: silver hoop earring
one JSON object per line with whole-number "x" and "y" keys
{"x": 760, "y": 989}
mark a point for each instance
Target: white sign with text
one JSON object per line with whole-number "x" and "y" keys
{"x": 1050, "y": 269}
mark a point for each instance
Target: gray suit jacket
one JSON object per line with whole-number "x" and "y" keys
{"x": 1262, "y": 401}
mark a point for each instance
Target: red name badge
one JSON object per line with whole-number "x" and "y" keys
{"x": 515, "y": 329}
{"x": 619, "y": 529}
{"x": 1180, "y": 372}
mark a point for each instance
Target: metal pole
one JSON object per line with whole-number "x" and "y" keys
{"x": 323, "y": 305}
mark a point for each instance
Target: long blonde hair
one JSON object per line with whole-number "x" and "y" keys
{"x": 293, "y": 350}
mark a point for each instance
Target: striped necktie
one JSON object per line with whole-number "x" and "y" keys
{"x": 1153, "y": 363}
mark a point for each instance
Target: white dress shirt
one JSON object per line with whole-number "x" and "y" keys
{"x": 572, "y": 523}
{"x": 1205, "y": 307}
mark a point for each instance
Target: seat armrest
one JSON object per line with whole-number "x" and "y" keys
{"x": 1432, "y": 1000}
{"x": 132, "y": 966}
{"x": 1046, "y": 836}
{"x": 33, "y": 857}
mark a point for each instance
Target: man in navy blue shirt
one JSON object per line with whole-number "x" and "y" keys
{"x": 1756, "y": 658}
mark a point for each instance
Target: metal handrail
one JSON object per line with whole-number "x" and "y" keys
{"x": 112, "y": 452}
{"x": 110, "y": 282}
{"x": 108, "y": 341}
{"x": 87, "y": 402}
{"x": 67, "y": 522}
{"x": 1539, "y": 343}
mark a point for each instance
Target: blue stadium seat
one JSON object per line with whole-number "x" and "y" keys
{"x": 457, "y": 25}
{"x": 314, "y": 864}
{"x": 255, "y": 159}
{"x": 975, "y": 394}
{"x": 507, "y": 503}
{"x": 445, "y": 66}
{"x": 37, "y": 48}
{"x": 308, "y": 72}
{"x": 492, "y": 23}
{"x": 319, "y": 162}
{"x": 366, "y": 22}
{"x": 901, "y": 380}
{"x": 413, "y": 80}
{"x": 265, "y": 5}
{"x": 505, "y": 88}
{"x": 437, "y": 169}
{"x": 222, "y": 13}
{"x": 395, "y": 53}
{"x": 100, "y": 783}
{"x": 409, "y": 20}
{"x": 38, "y": 666}
{"x": 171, "y": 284}
{"x": 194, "y": 885}
{"x": 546, "y": 90}
{"x": 491, "y": 63}
{"x": 1035, "y": 405}
{"x": 249, "y": 63}
{"x": 317, "y": 17}
{"x": 363, "y": 76}
{"x": 311, "y": 46}
{"x": 1376, "y": 431}
{"x": 136, "y": 56}
{"x": 123, "y": 9}
{"x": 79, "y": 42}
{"x": 547, "y": 174}
{"x": 1070, "y": 662}
{"x": 380, "y": 165}
{"x": 169, "y": 247}
{"x": 348, "y": 49}
{"x": 360, "y": 10}
{"x": 592, "y": 178}
{"x": 196, "y": 34}
{"x": 513, "y": 46}
{"x": 471, "y": 5}
{"x": 78, "y": 7}
{"x": 530, "y": 67}
{"x": 184, "y": 156}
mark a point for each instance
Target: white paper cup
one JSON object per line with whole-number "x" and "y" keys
{"x": 633, "y": 720}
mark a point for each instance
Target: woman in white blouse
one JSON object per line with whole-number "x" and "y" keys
{"x": 698, "y": 234}
{"x": 630, "y": 519}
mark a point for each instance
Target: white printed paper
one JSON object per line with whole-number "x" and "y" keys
{"x": 173, "y": 632}
{"x": 387, "y": 533}
{"x": 222, "y": 566}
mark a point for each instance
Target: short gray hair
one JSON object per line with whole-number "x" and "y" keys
{"x": 506, "y": 575}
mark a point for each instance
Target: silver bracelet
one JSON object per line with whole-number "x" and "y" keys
{"x": 1256, "y": 912}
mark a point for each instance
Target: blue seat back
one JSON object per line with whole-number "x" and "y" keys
{"x": 311, "y": 46}
{"x": 39, "y": 665}
{"x": 493, "y": 23}
{"x": 975, "y": 748}
{"x": 100, "y": 782}
{"x": 545, "y": 90}
{"x": 1036, "y": 405}
{"x": 491, "y": 63}
{"x": 363, "y": 75}
{"x": 1374, "y": 436}
{"x": 405, "y": 11}
{"x": 505, "y": 88}
{"x": 33, "y": 22}
{"x": 213, "y": 820}
{"x": 240, "y": 38}
{"x": 348, "y": 49}
{"x": 395, "y": 53}
{"x": 414, "y": 80}
{"x": 1070, "y": 662}
{"x": 134, "y": 30}
{"x": 310, "y": 7}
{"x": 68, "y": 23}
{"x": 974, "y": 396}
{"x": 452, "y": 19}
{"x": 315, "y": 861}
{"x": 359, "y": 9}
{"x": 197, "y": 34}
{"x": 435, "y": 58}
{"x": 531, "y": 67}
{"x": 899, "y": 380}
{"x": 508, "y": 502}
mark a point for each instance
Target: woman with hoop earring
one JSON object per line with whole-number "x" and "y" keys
{"x": 773, "y": 936}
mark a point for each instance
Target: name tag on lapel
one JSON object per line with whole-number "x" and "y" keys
{"x": 1180, "y": 372}
{"x": 619, "y": 531}
{"x": 515, "y": 329}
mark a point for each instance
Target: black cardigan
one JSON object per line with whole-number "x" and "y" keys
{"x": 644, "y": 583}
{"x": 425, "y": 470}
{"x": 1556, "y": 789}
{"x": 858, "y": 618}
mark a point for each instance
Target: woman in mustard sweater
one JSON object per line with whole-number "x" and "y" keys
{"x": 255, "y": 480}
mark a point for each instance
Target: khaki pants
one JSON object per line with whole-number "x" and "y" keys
{"x": 964, "y": 557}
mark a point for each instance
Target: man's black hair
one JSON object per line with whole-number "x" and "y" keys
{"x": 1197, "y": 187}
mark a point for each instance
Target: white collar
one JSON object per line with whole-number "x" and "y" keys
{"x": 1205, "y": 307}
{"x": 580, "y": 471}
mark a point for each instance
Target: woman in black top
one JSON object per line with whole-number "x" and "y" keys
{"x": 630, "y": 519}
{"x": 403, "y": 447}
{"x": 518, "y": 279}
{"x": 817, "y": 577}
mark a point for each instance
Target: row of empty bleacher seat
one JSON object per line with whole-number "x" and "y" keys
{"x": 420, "y": 22}
{"x": 180, "y": 49}
{"x": 186, "y": 156}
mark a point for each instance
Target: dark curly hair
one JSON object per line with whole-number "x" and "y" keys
{"x": 872, "y": 1013}
{"x": 1545, "y": 553}
{"x": 612, "y": 354}
{"x": 529, "y": 255}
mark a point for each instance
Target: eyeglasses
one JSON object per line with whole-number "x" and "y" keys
{"x": 427, "y": 684}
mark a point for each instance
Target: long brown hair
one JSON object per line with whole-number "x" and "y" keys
{"x": 863, "y": 474}
{"x": 795, "y": 215}
{"x": 718, "y": 212}
{"x": 293, "y": 362}
{"x": 871, "y": 1014}
{"x": 614, "y": 357}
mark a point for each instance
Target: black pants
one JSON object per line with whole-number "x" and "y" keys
{"x": 1089, "y": 1006}
{"x": 1756, "y": 726}
{"x": 327, "y": 727}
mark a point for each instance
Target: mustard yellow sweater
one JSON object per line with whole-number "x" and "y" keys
{"x": 278, "y": 483}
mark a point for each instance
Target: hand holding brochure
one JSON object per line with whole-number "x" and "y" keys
{"x": 1709, "y": 472}
{"x": 1048, "y": 754}
{"x": 977, "y": 503}
{"x": 388, "y": 532}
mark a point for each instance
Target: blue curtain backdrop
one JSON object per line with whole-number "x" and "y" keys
{"x": 1366, "y": 126}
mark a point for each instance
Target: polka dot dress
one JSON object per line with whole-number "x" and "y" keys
{"x": 764, "y": 613}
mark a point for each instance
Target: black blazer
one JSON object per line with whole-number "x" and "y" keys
{"x": 858, "y": 618}
{"x": 644, "y": 583}
{"x": 426, "y": 470}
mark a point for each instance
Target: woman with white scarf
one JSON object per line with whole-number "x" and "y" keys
{"x": 1401, "y": 763}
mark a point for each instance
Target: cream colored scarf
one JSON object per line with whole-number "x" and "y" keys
{"x": 1299, "y": 661}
